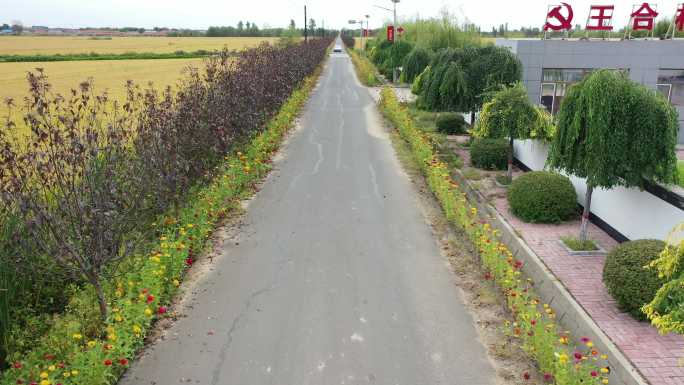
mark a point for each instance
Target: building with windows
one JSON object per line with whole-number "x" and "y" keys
{"x": 550, "y": 67}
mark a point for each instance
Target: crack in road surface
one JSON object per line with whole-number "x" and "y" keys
{"x": 333, "y": 278}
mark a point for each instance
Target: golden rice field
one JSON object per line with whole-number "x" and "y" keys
{"x": 51, "y": 45}
{"x": 109, "y": 75}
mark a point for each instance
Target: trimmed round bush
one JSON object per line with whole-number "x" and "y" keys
{"x": 489, "y": 154}
{"x": 451, "y": 123}
{"x": 627, "y": 280}
{"x": 542, "y": 197}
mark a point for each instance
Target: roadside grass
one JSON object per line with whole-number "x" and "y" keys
{"x": 472, "y": 174}
{"x": 77, "y": 350}
{"x": 535, "y": 326}
{"x": 365, "y": 70}
{"x": 680, "y": 169}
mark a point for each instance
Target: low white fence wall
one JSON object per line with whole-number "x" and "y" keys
{"x": 634, "y": 213}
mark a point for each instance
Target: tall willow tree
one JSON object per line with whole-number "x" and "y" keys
{"x": 459, "y": 79}
{"x": 614, "y": 132}
{"x": 510, "y": 114}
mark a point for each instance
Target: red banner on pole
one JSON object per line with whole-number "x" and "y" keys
{"x": 390, "y": 33}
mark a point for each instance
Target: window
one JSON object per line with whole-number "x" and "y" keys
{"x": 671, "y": 85}
{"x": 555, "y": 83}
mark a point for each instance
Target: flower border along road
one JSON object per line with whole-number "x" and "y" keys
{"x": 65, "y": 356}
{"x": 535, "y": 323}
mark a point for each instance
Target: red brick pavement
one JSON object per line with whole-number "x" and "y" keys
{"x": 655, "y": 356}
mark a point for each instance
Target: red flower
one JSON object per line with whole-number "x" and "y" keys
{"x": 488, "y": 276}
{"x": 107, "y": 362}
{"x": 189, "y": 261}
{"x": 150, "y": 298}
{"x": 526, "y": 376}
{"x": 578, "y": 356}
{"x": 16, "y": 365}
{"x": 548, "y": 377}
{"x": 585, "y": 340}
{"x": 162, "y": 310}
{"x": 533, "y": 322}
{"x": 60, "y": 365}
{"x": 123, "y": 362}
{"x": 594, "y": 373}
{"x": 518, "y": 264}
{"x": 49, "y": 356}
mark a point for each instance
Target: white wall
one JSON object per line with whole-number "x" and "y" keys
{"x": 634, "y": 213}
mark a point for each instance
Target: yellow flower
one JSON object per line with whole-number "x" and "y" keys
{"x": 155, "y": 259}
{"x": 604, "y": 370}
{"x": 66, "y": 374}
{"x": 148, "y": 312}
{"x": 74, "y": 372}
{"x": 190, "y": 225}
{"x": 590, "y": 344}
{"x": 605, "y": 381}
{"x": 45, "y": 382}
{"x": 44, "y": 374}
{"x": 604, "y": 357}
{"x": 176, "y": 283}
{"x": 137, "y": 330}
{"x": 91, "y": 344}
{"x": 52, "y": 368}
{"x": 77, "y": 336}
{"x": 118, "y": 318}
{"x": 563, "y": 358}
{"x": 111, "y": 337}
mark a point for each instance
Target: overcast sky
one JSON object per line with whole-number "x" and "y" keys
{"x": 200, "y": 14}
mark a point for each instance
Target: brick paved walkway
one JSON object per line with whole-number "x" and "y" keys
{"x": 655, "y": 356}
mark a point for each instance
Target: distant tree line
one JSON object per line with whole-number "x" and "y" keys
{"x": 248, "y": 29}
{"x": 243, "y": 29}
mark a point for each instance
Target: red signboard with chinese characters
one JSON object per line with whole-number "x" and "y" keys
{"x": 643, "y": 19}
{"x": 557, "y": 20}
{"x": 390, "y": 33}
{"x": 600, "y": 17}
{"x": 679, "y": 18}
{"x": 365, "y": 33}
{"x": 559, "y": 17}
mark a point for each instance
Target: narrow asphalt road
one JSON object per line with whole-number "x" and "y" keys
{"x": 335, "y": 277}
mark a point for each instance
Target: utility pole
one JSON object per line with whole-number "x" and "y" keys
{"x": 306, "y": 21}
{"x": 366, "y": 32}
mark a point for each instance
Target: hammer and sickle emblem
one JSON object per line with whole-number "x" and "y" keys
{"x": 565, "y": 21}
